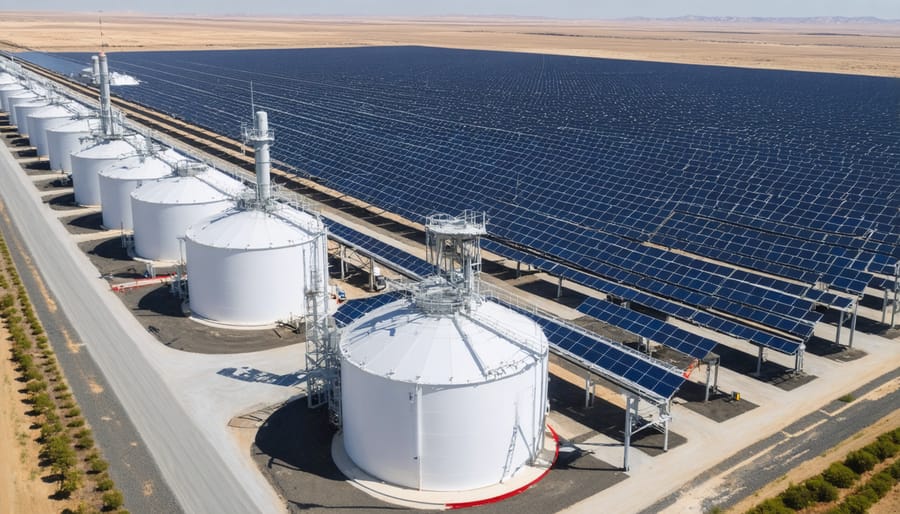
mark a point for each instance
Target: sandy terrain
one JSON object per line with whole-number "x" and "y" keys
{"x": 21, "y": 489}
{"x": 870, "y": 49}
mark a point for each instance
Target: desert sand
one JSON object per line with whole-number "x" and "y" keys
{"x": 863, "y": 48}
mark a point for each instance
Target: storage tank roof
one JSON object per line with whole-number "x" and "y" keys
{"x": 209, "y": 186}
{"x": 246, "y": 230}
{"x": 109, "y": 149}
{"x": 6, "y": 78}
{"x": 13, "y": 86}
{"x": 51, "y": 111}
{"x": 79, "y": 125}
{"x": 401, "y": 342}
{"x": 138, "y": 167}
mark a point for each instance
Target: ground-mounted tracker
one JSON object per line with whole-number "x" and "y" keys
{"x": 648, "y": 327}
{"x": 533, "y": 138}
{"x": 392, "y": 256}
{"x": 352, "y": 310}
{"x": 670, "y": 308}
{"x": 660, "y": 272}
{"x": 613, "y": 360}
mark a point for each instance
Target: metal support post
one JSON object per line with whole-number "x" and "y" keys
{"x": 343, "y": 261}
{"x": 559, "y": 288}
{"x": 853, "y": 324}
{"x": 708, "y": 377}
{"x": 646, "y": 342}
{"x": 667, "y": 418}
{"x": 837, "y": 337}
{"x": 371, "y": 273}
{"x": 884, "y": 306}
{"x": 518, "y": 269}
{"x": 798, "y": 359}
{"x": 588, "y": 391}
{"x": 759, "y": 362}
{"x": 716, "y": 378}
{"x": 630, "y": 405}
{"x": 894, "y": 307}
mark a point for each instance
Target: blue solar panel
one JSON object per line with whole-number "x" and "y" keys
{"x": 695, "y": 316}
{"x": 647, "y": 326}
{"x": 352, "y": 310}
{"x": 700, "y": 168}
{"x": 390, "y": 255}
{"x": 609, "y": 358}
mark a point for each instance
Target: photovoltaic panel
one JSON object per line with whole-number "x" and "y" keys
{"x": 392, "y": 256}
{"x": 670, "y": 308}
{"x": 352, "y": 310}
{"x": 608, "y": 358}
{"x": 649, "y": 327}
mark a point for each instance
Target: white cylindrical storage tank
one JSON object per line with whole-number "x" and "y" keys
{"x": 438, "y": 401}
{"x": 122, "y": 178}
{"x": 25, "y": 109}
{"x": 69, "y": 138}
{"x": 87, "y": 163}
{"x": 44, "y": 119}
{"x": 6, "y": 78}
{"x": 250, "y": 267}
{"x": 163, "y": 210}
{"x": 8, "y": 90}
{"x": 15, "y": 99}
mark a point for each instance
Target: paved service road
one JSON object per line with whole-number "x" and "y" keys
{"x": 202, "y": 478}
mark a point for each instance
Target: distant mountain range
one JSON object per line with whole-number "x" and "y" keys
{"x": 815, "y": 20}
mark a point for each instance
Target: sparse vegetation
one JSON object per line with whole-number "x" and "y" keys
{"x": 66, "y": 443}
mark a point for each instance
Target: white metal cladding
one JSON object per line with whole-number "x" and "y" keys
{"x": 439, "y": 402}
{"x": 67, "y": 139}
{"x": 86, "y": 166}
{"x": 250, "y": 267}
{"x": 42, "y": 120}
{"x": 23, "y": 110}
{"x": 6, "y": 91}
{"x": 15, "y": 99}
{"x": 119, "y": 180}
{"x": 163, "y": 210}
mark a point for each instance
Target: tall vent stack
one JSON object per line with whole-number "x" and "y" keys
{"x": 261, "y": 141}
{"x": 106, "y": 125}
{"x": 95, "y": 67}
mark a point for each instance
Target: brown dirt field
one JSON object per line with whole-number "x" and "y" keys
{"x": 21, "y": 489}
{"x": 890, "y": 504}
{"x": 868, "y": 49}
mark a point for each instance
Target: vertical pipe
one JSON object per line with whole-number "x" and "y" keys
{"x": 759, "y": 362}
{"x": 884, "y": 305}
{"x": 95, "y": 68}
{"x": 263, "y": 164}
{"x": 343, "y": 261}
{"x": 853, "y": 323}
{"x": 559, "y": 288}
{"x": 419, "y": 434}
{"x": 105, "y": 107}
{"x": 837, "y": 336}
{"x": 625, "y": 465}
{"x": 708, "y": 376}
{"x": 371, "y": 273}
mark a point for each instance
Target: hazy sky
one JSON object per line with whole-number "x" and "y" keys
{"x": 595, "y": 9}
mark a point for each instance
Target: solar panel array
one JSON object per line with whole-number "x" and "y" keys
{"x": 352, "y": 310}
{"x": 649, "y": 327}
{"x": 599, "y": 168}
{"x": 400, "y": 260}
{"x": 609, "y": 358}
